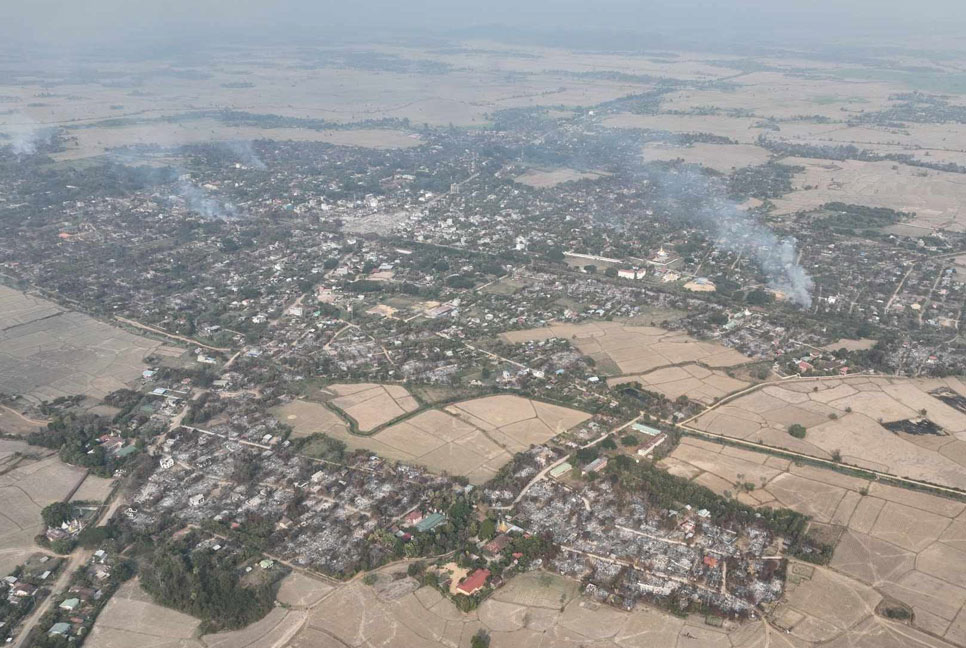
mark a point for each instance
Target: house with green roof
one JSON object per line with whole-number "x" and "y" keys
{"x": 430, "y": 522}
{"x": 60, "y": 629}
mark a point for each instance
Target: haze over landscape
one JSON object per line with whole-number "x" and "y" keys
{"x": 437, "y": 324}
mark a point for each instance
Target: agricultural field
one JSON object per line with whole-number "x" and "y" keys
{"x": 472, "y": 438}
{"x": 131, "y": 618}
{"x": 849, "y": 416}
{"x": 543, "y": 178}
{"x": 694, "y": 381}
{"x": 371, "y": 405}
{"x": 533, "y": 609}
{"x": 30, "y": 479}
{"x": 891, "y": 542}
{"x": 438, "y": 90}
{"x": 308, "y": 418}
{"x": 934, "y": 196}
{"x": 634, "y": 349}
{"x": 47, "y": 352}
{"x": 782, "y": 96}
{"x": 668, "y": 362}
{"x": 99, "y": 140}
{"x": 16, "y": 423}
{"x": 720, "y": 157}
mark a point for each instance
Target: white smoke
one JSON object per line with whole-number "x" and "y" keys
{"x": 703, "y": 201}
{"x": 202, "y": 203}
{"x": 245, "y": 152}
{"x": 196, "y": 199}
{"x": 26, "y": 136}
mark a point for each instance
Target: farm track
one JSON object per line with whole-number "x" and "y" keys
{"x": 180, "y": 338}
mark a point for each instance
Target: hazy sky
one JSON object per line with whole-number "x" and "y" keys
{"x": 70, "y": 22}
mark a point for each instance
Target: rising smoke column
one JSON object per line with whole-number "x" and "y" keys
{"x": 202, "y": 203}
{"x": 702, "y": 201}
{"x": 245, "y": 152}
{"x": 25, "y": 136}
{"x": 195, "y": 198}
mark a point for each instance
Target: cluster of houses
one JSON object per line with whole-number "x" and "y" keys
{"x": 78, "y": 606}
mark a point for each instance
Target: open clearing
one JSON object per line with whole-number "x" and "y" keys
{"x": 845, "y": 415}
{"x": 906, "y": 545}
{"x": 371, "y": 405}
{"x": 47, "y": 352}
{"x": 472, "y": 438}
{"x": 543, "y": 178}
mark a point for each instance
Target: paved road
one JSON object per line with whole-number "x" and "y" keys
{"x": 958, "y": 494}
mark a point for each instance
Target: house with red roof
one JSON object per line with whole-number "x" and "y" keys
{"x": 474, "y": 582}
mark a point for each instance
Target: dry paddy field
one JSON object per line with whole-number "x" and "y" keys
{"x": 845, "y": 415}
{"x": 132, "y": 618}
{"x": 773, "y": 94}
{"x": 472, "y": 438}
{"x": 669, "y": 362}
{"x": 892, "y": 542}
{"x": 536, "y": 609}
{"x": 934, "y": 196}
{"x": 308, "y": 418}
{"x": 47, "y": 352}
{"x": 740, "y": 129}
{"x": 720, "y": 157}
{"x": 371, "y": 405}
{"x": 532, "y": 610}
{"x": 14, "y": 422}
{"x": 543, "y": 178}
{"x": 295, "y": 84}
{"x": 97, "y": 140}
{"x": 30, "y": 479}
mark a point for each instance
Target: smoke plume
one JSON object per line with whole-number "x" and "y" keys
{"x": 195, "y": 198}
{"x": 703, "y": 202}
{"x": 245, "y": 152}
{"x": 202, "y": 203}
{"x": 26, "y": 137}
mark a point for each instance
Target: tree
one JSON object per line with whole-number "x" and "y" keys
{"x": 629, "y": 440}
{"x": 487, "y": 529}
{"x": 480, "y": 640}
{"x": 608, "y": 444}
{"x": 57, "y": 513}
{"x": 610, "y": 272}
{"x": 586, "y": 455}
{"x": 797, "y": 430}
{"x": 759, "y": 297}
